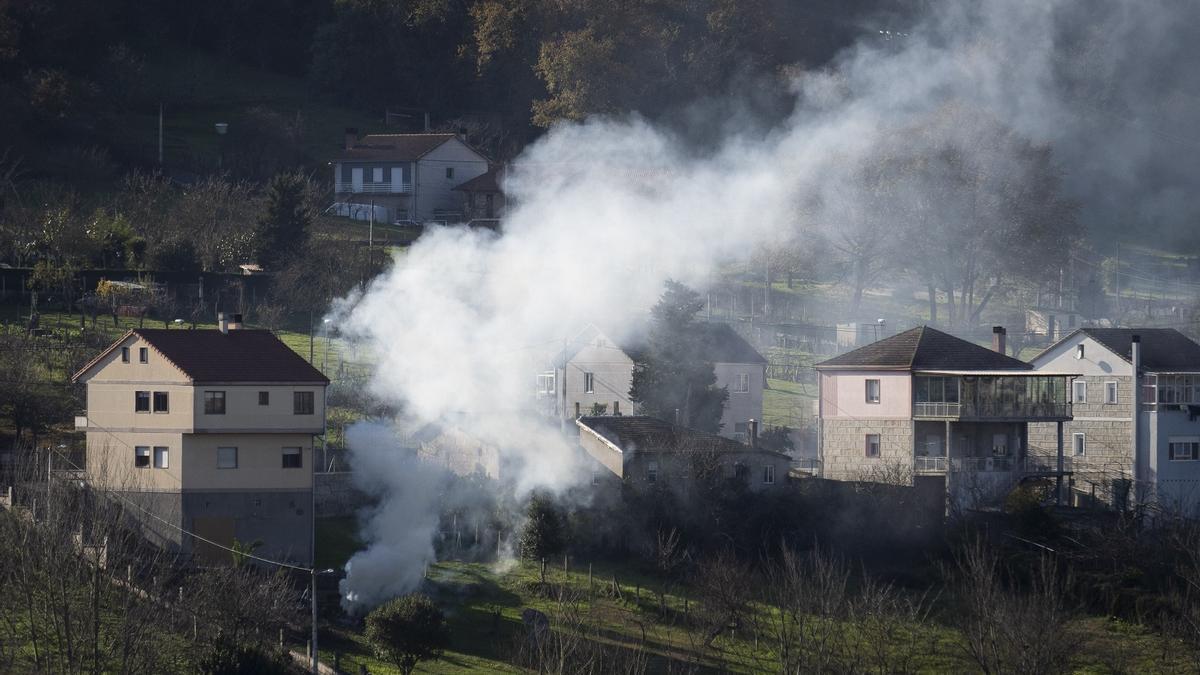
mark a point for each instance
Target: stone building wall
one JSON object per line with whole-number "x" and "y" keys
{"x": 843, "y": 448}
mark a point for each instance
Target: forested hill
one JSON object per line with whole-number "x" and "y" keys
{"x": 81, "y": 81}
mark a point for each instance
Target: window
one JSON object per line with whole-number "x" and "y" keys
{"x": 872, "y": 391}
{"x": 227, "y": 458}
{"x": 377, "y": 175}
{"x": 264, "y": 398}
{"x": 589, "y": 383}
{"x": 1078, "y": 444}
{"x": 1110, "y": 393}
{"x": 740, "y": 429}
{"x": 1079, "y": 391}
{"x": 162, "y": 457}
{"x": 449, "y": 172}
{"x": 291, "y": 458}
{"x": 769, "y": 474}
{"x": 214, "y": 403}
{"x": 1079, "y": 351}
{"x": 872, "y": 445}
{"x": 141, "y": 457}
{"x": 141, "y": 401}
{"x": 595, "y": 478}
{"x": 302, "y": 402}
{"x": 545, "y": 384}
{"x": 143, "y": 355}
{"x": 1183, "y": 449}
{"x": 124, "y": 354}
{"x": 741, "y": 383}
{"x": 741, "y": 472}
{"x": 161, "y": 401}
{"x": 651, "y": 472}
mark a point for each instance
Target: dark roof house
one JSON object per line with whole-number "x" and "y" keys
{"x": 923, "y": 348}
{"x": 214, "y": 356}
{"x": 1163, "y": 349}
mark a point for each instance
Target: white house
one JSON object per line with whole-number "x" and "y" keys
{"x": 404, "y": 177}
{"x": 594, "y": 370}
{"x": 1135, "y": 436}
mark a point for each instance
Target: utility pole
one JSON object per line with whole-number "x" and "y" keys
{"x": 1118, "y": 275}
{"x": 160, "y": 135}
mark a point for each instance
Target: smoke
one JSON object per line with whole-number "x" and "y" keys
{"x": 603, "y": 212}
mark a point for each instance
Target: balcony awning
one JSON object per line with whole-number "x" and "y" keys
{"x": 997, "y": 373}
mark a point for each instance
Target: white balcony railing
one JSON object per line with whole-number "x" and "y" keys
{"x": 936, "y": 409}
{"x": 343, "y": 187}
{"x": 930, "y": 464}
{"x": 808, "y": 465}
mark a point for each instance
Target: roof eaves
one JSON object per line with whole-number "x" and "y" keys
{"x": 1055, "y": 344}
{"x": 88, "y": 366}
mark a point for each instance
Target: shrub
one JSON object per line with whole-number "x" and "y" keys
{"x": 543, "y": 533}
{"x": 407, "y": 630}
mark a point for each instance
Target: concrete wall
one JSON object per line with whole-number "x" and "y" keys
{"x": 336, "y": 495}
{"x": 1176, "y": 482}
{"x": 243, "y": 413}
{"x": 675, "y": 471}
{"x": 843, "y": 447}
{"x": 740, "y": 407}
{"x": 434, "y": 190}
{"x": 110, "y": 461}
{"x": 607, "y": 454}
{"x": 260, "y": 462}
{"x": 157, "y": 370}
{"x": 844, "y": 394}
{"x": 280, "y": 519}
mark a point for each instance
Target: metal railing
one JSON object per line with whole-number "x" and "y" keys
{"x": 995, "y": 409}
{"x": 930, "y": 464}
{"x": 343, "y": 187}
{"x": 809, "y": 465}
{"x": 936, "y": 409}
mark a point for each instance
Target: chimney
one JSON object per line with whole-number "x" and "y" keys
{"x": 752, "y": 427}
{"x": 236, "y": 324}
{"x": 617, "y": 408}
{"x": 999, "y": 339}
{"x": 222, "y": 323}
{"x": 577, "y": 415}
{"x": 351, "y": 137}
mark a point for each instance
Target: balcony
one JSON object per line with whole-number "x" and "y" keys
{"x": 347, "y": 187}
{"x": 1033, "y": 465}
{"x": 1019, "y": 398}
{"x": 810, "y": 466}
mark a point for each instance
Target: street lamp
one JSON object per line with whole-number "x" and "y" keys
{"x": 315, "y": 573}
{"x": 222, "y": 128}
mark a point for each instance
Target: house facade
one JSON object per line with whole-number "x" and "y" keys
{"x": 926, "y": 403}
{"x": 483, "y": 200}
{"x": 402, "y": 178}
{"x": 647, "y": 453}
{"x": 1141, "y": 383}
{"x": 594, "y": 373}
{"x": 207, "y": 432}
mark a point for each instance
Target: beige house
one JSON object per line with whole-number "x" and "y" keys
{"x": 648, "y": 453}
{"x": 595, "y": 372}
{"x": 926, "y": 404}
{"x": 207, "y": 431}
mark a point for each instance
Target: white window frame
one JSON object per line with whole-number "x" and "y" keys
{"x": 768, "y": 474}
{"x": 1079, "y": 387}
{"x": 1078, "y": 444}
{"x": 741, "y": 383}
{"x": 1110, "y": 392}
{"x": 1194, "y": 449}
{"x": 162, "y": 457}
{"x": 545, "y": 383}
{"x": 740, "y": 431}
{"x": 295, "y": 451}
{"x": 225, "y": 464}
{"x": 867, "y": 390}
{"x": 140, "y": 452}
{"x": 878, "y": 446}
{"x": 589, "y": 383}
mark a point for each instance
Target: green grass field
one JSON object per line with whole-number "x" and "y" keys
{"x": 788, "y": 403}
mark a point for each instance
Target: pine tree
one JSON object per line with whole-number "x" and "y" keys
{"x": 543, "y": 533}
{"x": 283, "y": 231}
{"x": 673, "y": 372}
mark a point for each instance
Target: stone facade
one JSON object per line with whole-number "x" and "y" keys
{"x": 844, "y": 454}
{"x": 1108, "y": 454}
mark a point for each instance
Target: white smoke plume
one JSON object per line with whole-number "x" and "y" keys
{"x": 602, "y": 212}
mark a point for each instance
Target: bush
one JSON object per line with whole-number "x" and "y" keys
{"x": 407, "y": 630}
{"x": 543, "y": 533}
{"x": 229, "y": 659}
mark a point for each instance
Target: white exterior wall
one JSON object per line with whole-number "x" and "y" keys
{"x": 844, "y": 394}
{"x": 740, "y": 407}
{"x": 612, "y": 376}
{"x": 433, "y": 190}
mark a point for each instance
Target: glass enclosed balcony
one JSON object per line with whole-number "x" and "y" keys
{"x": 1001, "y": 397}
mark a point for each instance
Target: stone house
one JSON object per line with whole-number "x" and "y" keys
{"x": 210, "y": 432}
{"x": 645, "y": 453}
{"x": 1162, "y": 467}
{"x": 924, "y": 403}
{"x": 595, "y": 372}
{"x": 401, "y": 178}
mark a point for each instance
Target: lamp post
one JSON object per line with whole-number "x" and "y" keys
{"x": 315, "y": 661}
{"x": 222, "y": 128}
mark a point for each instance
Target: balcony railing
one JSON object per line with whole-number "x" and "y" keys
{"x": 808, "y": 465}
{"x": 997, "y": 409}
{"x": 1032, "y": 464}
{"x": 930, "y": 464}
{"x": 343, "y": 187}
{"x": 936, "y": 409}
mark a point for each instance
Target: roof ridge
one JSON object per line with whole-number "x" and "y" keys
{"x": 912, "y": 358}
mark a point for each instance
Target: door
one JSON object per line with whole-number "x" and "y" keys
{"x": 356, "y": 179}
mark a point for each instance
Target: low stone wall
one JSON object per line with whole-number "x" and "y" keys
{"x": 337, "y": 496}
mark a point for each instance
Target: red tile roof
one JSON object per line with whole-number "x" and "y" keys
{"x": 395, "y": 147}
{"x": 485, "y": 182}
{"x": 209, "y": 356}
